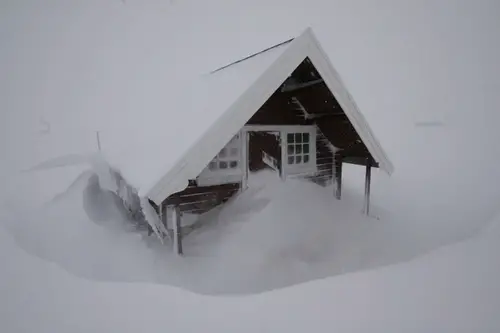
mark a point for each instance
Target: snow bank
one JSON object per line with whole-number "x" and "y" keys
{"x": 86, "y": 231}
{"x": 274, "y": 235}
{"x": 451, "y": 290}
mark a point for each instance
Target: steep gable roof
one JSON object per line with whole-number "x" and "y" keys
{"x": 225, "y": 99}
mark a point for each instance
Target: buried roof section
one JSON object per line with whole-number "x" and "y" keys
{"x": 233, "y": 93}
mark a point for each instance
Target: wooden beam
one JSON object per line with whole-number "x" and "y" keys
{"x": 292, "y": 86}
{"x": 161, "y": 213}
{"x": 338, "y": 176}
{"x": 282, "y": 172}
{"x": 368, "y": 178}
{"x": 358, "y": 160}
{"x": 245, "y": 141}
{"x": 176, "y": 225}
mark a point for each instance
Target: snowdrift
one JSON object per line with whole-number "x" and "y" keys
{"x": 274, "y": 235}
{"x": 453, "y": 289}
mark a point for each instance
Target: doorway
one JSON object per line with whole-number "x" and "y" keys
{"x": 264, "y": 156}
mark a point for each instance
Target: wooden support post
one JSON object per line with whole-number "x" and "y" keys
{"x": 244, "y": 158}
{"x": 283, "y": 144}
{"x": 98, "y": 137}
{"x": 368, "y": 178}
{"x": 163, "y": 214}
{"x": 337, "y": 159}
{"x": 176, "y": 226}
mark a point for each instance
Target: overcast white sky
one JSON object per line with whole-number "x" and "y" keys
{"x": 75, "y": 64}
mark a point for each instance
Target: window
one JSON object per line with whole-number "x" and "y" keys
{"x": 298, "y": 148}
{"x": 228, "y": 157}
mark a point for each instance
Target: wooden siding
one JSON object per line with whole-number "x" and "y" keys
{"x": 278, "y": 110}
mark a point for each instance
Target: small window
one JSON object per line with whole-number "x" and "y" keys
{"x": 223, "y": 153}
{"x": 225, "y": 167}
{"x": 299, "y": 148}
{"x": 212, "y": 166}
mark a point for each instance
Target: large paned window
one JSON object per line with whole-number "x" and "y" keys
{"x": 298, "y": 148}
{"x": 299, "y": 144}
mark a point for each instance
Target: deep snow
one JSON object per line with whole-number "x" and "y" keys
{"x": 452, "y": 289}
{"x": 406, "y": 64}
{"x": 273, "y": 235}
{"x": 276, "y": 234}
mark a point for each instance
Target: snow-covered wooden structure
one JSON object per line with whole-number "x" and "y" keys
{"x": 284, "y": 108}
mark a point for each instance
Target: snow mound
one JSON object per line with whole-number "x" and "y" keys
{"x": 453, "y": 289}
{"x": 86, "y": 231}
{"x": 273, "y": 235}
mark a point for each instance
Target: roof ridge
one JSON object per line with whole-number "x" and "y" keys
{"x": 252, "y": 55}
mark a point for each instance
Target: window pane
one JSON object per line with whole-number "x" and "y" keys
{"x": 306, "y": 148}
{"x": 290, "y": 159}
{"x": 234, "y": 151}
{"x": 305, "y": 137}
{"x": 233, "y": 164}
{"x": 289, "y": 137}
{"x": 290, "y": 149}
{"x": 306, "y": 158}
{"x": 298, "y": 137}
{"x": 212, "y": 165}
{"x": 223, "y": 153}
{"x": 298, "y": 159}
{"x": 222, "y": 165}
{"x": 298, "y": 149}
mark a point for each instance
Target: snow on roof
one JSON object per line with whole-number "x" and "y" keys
{"x": 130, "y": 73}
{"x": 227, "y": 98}
{"x": 180, "y": 145}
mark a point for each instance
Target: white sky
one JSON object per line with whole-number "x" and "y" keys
{"x": 76, "y": 64}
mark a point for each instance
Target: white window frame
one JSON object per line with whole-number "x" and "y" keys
{"x": 301, "y": 167}
{"x": 284, "y": 130}
{"x": 210, "y": 177}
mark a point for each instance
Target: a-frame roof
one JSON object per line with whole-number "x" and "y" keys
{"x": 225, "y": 99}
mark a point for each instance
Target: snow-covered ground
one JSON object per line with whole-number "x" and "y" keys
{"x": 274, "y": 235}
{"x": 453, "y": 289}
{"x": 425, "y": 263}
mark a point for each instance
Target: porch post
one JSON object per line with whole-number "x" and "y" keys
{"x": 368, "y": 178}
{"x": 176, "y": 226}
{"x": 244, "y": 158}
{"x": 337, "y": 167}
{"x": 161, "y": 209}
{"x": 283, "y": 147}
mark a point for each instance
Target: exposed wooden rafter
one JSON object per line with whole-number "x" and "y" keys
{"x": 298, "y": 106}
{"x": 293, "y": 86}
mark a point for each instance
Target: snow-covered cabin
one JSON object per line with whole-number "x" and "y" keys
{"x": 284, "y": 108}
